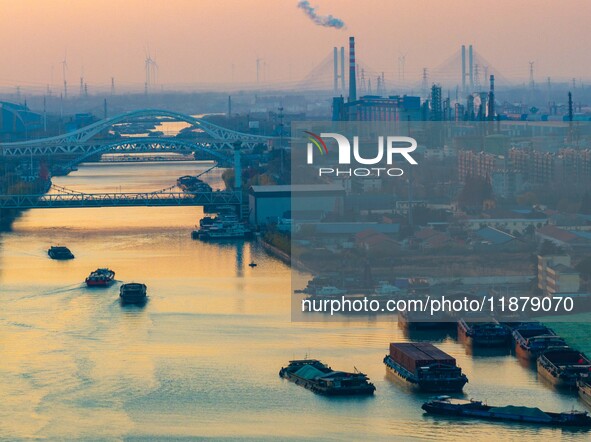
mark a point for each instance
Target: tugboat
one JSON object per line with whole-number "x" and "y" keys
{"x": 321, "y": 379}
{"x": 100, "y": 278}
{"x": 444, "y": 405}
{"x": 424, "y": 366}
{"x": 563, "y": 366}
{"x": 533, "y": 338}
{"x": 483, "y": 333}
{"x": 133, "y": 293}
{"x": 60, "y": 252}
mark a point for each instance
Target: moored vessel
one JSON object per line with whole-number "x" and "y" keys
{"x": 533, "y": 338}
{"x": 424, "y": 366}
{"x": 486, "y": 334}
{"x": 445, "y": 405}
{"x": 133, "y": 293}
{"x": 100, "y": 278}
{"x": 563, "y": 366}
{"x": 321, "y": 379}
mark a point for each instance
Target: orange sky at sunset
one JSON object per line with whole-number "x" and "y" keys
{"x": 197, "y": 42}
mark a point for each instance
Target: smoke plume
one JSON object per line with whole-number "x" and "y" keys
{"x": 323, "y": 20}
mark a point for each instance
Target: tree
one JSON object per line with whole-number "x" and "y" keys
{"x": 550, "y": 248}
{"x": 476, "y": 190}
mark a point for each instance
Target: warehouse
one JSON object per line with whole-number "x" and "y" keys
{"x": 269, "y": 204}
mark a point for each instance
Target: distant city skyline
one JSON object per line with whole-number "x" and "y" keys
{"x": 221, "y": 43}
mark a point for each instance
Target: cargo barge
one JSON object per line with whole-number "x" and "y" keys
{"x": 321, "y": 379}
{"x": 533, "y": 338}
{"x": 425, "y": 367}
{"x": 486, "y": 334}
{"x": 100, "y": 278}
{"x": 133, "y": 293}
{"x": 60, "y": 253}
{"x": 476, "y": 409}
{"x": 563, "y": 366}
{"x": 414, "y": 320}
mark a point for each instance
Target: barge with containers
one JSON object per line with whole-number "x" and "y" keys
{"x": 533, "y": 338}
{"x": 425, "y": 367}
{"x": 486, "y": 334}
{"x": 447, "y": 406}
{"x": 564, "y": 366}
{"x": 321, "y": 379}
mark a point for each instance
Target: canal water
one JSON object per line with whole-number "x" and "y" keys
{"x": 201, "y": 358}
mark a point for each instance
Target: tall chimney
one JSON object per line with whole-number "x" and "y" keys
{"x": 336, "y": 71}
{"x": 463, "y": 69}
{"x": 343, "y": 69}
{"x": 491, "y": 99}
{"x": 471, "y": 67}
{"x": 352, "y": 80}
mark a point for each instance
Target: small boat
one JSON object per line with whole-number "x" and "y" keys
{"x": 133, "y": 293}
{"x": 424, "y": 366}
{"x": 444, "y": 405}
{"x": 100, "y": 278}
{"x": 483, "y": 333}
{"x": 563, "y": 366}
{"x": 252, "y": 264}
{"x": 329, "y": 290}
{"x": 60, "y": 252}
{"x": 385, "y": 288}
{"x": 321, "y": 379}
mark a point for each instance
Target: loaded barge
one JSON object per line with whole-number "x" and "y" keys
{"x": 133, "y": 293}
{"x": 321, "y": 379}
{"x": 424, "y": 366}
{"x": 487, "y": 334}
{"x": 564, "y": 366}
{"x": 476, "y": 409}
{"x": 533, "y": 338}
{"x": 60, "y": 253}
{"x": 100, "y": 278}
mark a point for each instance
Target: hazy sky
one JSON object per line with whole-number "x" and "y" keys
{"x": 199, "y": 41}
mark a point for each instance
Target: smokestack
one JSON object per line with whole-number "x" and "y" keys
{"x": 471, "y": 67}
{"x": 343, "y": 69}
{"x": 336, "y": 70}
{"x": 352, "y": 80}
{"x": 491, "y": 99}
{"x": 463, "y": 69}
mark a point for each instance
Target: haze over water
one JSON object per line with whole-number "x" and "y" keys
{"x": 201, "y": 359}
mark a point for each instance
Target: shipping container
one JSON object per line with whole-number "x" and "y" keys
{"x": 412, "y": 355}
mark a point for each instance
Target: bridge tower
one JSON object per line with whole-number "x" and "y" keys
{"x": 237, "y": 167}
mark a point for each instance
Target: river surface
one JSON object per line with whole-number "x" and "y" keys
{"x": 201, "y": 358}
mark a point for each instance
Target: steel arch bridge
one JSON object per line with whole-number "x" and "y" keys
{"x": 80, "y": 142}
{"x": 150, "y": 145}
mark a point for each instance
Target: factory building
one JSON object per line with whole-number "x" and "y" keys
{"x": 17, "y": 121}
{"x": 271, "y": 204}
{"x": 375, "y": 108}
{"x": 369, "y": 107}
